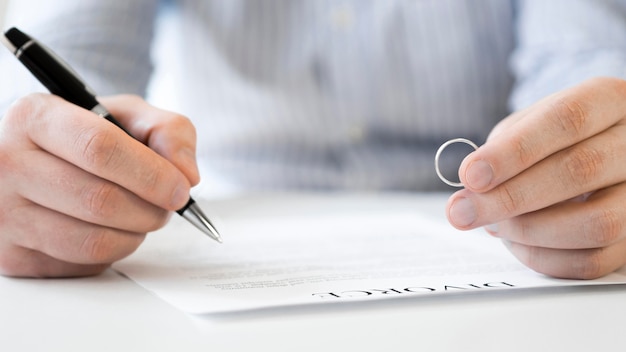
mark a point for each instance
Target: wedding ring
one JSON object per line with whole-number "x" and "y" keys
{"x": 440, "y": 150}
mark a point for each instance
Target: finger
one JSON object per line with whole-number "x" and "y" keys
{"x": 22, "y": 262}
{"x": 97, "y": 146}
{"x": 555, "y": 123}
{"x": 56, "y": 184}
{"x": 171, "y": 135}
{"x": 599, "y": 221}
{"x": 571, "y": 263}
{"x": 589, "y": 165}
{"x": 67, "y": 239}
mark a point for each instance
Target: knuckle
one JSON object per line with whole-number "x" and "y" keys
{"x": 19, "y": 112}
{"x": 583, "y": 165}
{"x": 510, "y": 199}
{"x": 97, "y": 200}
{"x": 603, "y": 228}
{"x": 26, "y": 111}
{"x": 525, "y": 149}
{"x": 588, "y": 265}
{"x": 27, "y": 105}
{"x": 182, "y": 122}
{"x": 99, "y": 148}
{"x": 175, "y": 122}
{"x": 102, "y": 246}
{"x": 569, "y": 115}
{"x": 96, "y": 246}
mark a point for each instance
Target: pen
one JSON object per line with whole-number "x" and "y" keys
{"x": 61, "y": 80}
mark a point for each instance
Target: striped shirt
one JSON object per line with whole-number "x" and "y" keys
{"x": 323, "y": 94}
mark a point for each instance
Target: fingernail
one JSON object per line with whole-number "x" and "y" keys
{"x": 463, "y": 213}
{"x": 478, "y": 174}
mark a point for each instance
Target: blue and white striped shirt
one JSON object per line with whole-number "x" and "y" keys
{"x": 323, "y": 94}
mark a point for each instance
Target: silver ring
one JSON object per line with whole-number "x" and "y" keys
{"x": 440, "y": 150}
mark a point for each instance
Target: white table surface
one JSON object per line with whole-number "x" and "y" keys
{"x": 112, "y": 313}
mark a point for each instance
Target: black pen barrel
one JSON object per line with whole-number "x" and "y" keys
{"x": 57, "y": 78}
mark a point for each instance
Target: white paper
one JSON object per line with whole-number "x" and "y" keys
{"x": 295, "y": 249}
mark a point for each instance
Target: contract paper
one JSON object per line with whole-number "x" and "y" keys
{"x": 282, "y": 250}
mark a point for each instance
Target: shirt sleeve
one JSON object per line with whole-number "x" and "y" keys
{"x": 563, "y": 42}
{"x": 108, "y": 43}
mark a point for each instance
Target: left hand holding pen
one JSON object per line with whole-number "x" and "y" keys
{"x": 551, "y": 182}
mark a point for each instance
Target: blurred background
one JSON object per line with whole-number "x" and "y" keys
{"x": 163, "y": 77}
{"x": 3, "y": 4}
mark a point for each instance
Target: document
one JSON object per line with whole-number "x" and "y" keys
{"x": 293, "y": 249}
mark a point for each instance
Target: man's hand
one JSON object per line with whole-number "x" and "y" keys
{"x": 550, "y": 182}
{"x": 77, "y": 193}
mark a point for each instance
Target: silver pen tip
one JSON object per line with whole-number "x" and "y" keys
{"x": 194, "y": 215}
